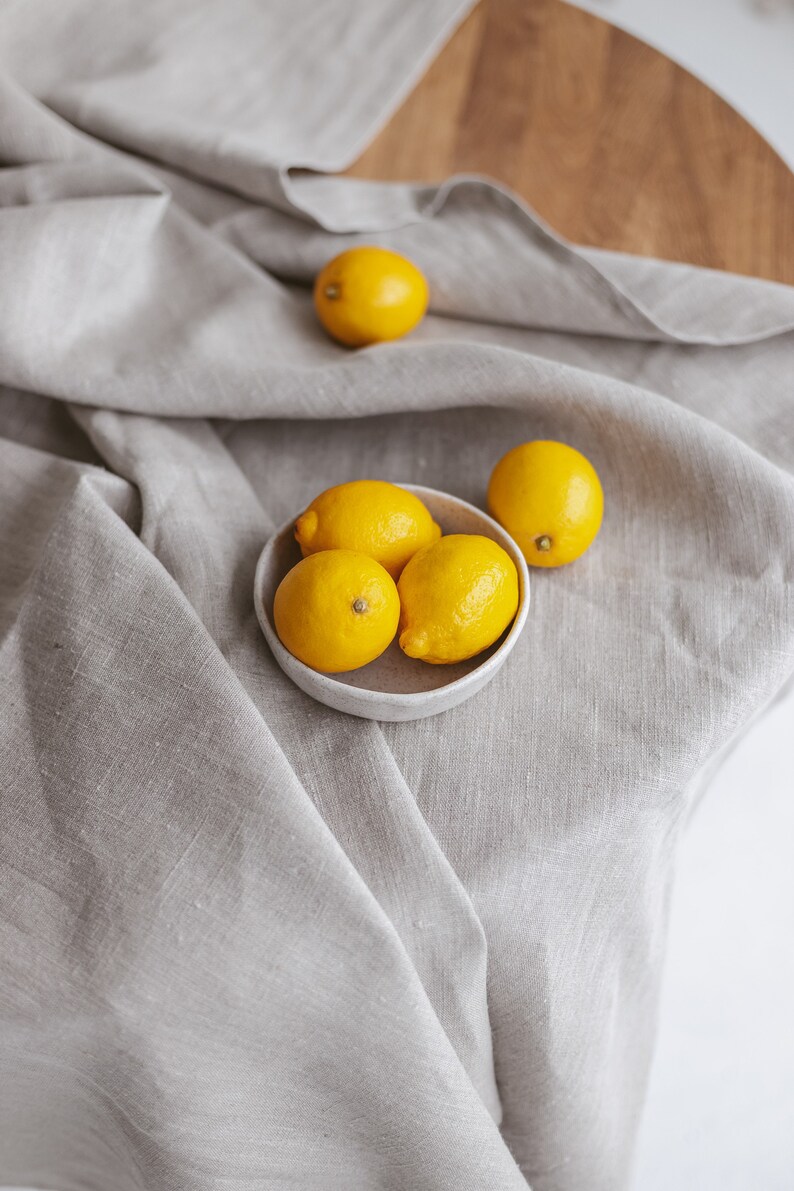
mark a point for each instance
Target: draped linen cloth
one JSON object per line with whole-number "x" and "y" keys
{"x": 245, "y": 940}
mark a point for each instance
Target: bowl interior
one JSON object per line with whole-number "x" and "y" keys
{"x": 393, "y": 672}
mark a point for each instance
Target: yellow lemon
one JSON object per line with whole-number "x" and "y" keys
{"x": 371, "y": 516}
{"x": 336, "y": 611}
{"x": 457, "y": 597}
{"x": 549, "y": 498}
{"x": 368, "y": 294}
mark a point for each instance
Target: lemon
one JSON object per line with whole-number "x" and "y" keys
{"x": 371, "y": 516}
{"x": 336, "y": 611}
{"x": 457, "y": 597}
{"x": 549, "y": 498}
{"x": 368, "y": 294}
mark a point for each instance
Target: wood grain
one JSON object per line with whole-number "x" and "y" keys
{"x": 611, "y": 142}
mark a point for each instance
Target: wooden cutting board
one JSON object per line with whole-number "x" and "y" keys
{"x": 610, "y": 141}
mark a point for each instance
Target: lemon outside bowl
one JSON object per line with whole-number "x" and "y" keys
{"x": 393, "y": 687}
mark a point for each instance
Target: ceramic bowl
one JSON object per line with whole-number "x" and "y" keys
{"x": 393, "y": 687}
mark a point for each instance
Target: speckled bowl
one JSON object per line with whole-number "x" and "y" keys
{"x": 393, "y": 687}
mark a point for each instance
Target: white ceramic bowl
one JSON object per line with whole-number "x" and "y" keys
{"x": 393, "y": 687}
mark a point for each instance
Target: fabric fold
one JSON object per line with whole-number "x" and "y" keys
{"x": 247, "y": 939}
{"x": 127, "y": 926}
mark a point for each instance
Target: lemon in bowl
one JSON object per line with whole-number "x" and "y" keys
{"x": 394, "y": 687}
{"x": 336, "y": 610}
{"x": 457, "y": 597}
{"x": 374, "y": 517}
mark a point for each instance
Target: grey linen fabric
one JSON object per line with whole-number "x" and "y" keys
{"x": 247, "y": 941}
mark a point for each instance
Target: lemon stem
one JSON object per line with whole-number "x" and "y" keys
{"x": 543, "y": 543}
{"x": 332, "y": 291}
{"x": 360, "y": 605}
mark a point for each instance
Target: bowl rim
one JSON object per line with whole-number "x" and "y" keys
{"x": 406, "y": 699}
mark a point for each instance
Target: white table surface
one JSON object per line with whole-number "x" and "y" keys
{"x": 720, "y": 1111}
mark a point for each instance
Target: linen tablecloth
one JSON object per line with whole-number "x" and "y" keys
{"x": 247, "y": 941}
